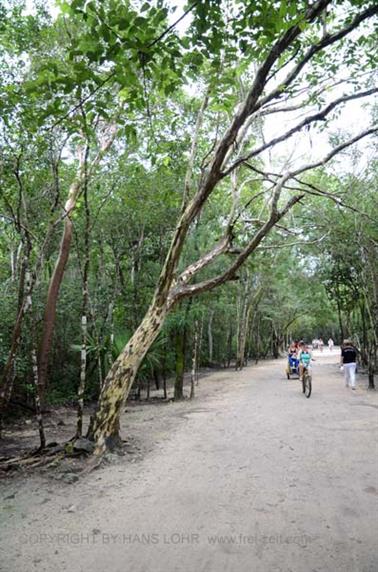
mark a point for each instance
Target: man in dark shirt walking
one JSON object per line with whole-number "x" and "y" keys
{"x": 348, "y": 362}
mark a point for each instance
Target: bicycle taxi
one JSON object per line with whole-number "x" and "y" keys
{"x": 292, "y": 366}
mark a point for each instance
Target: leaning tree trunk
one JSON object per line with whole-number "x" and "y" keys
{"x": 52, "y": 298}
{"x": 57, "y": 277}
{"x": 105, "y": 424}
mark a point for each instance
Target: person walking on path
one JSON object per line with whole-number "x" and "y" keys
{"x": 330, "y": 344}
{"x": 348, "y": 362}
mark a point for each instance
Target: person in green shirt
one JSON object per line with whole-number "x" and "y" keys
{"x": 305, "y": 358}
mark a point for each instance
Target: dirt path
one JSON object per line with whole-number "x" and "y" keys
{"x": 250, "y": 477}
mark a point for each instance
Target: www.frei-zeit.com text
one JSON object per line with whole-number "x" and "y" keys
{"x": 154, "y": 538}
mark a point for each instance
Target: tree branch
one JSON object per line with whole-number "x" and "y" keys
{"x": 178, "y": 292}
{"x": 321, "y": 115}
{"x": 290, "y": 244}
{"x": 193, "y": 150}
{"x": 332, "y": 153}
{"x": 326, "y": 41}
{"x": 221, "y": 247}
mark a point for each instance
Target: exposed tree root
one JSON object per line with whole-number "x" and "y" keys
{"x": 55, "y": 452}
{"x": 48, "y": 456}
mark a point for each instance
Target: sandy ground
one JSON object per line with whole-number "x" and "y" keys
{"x": 249, "y": 477}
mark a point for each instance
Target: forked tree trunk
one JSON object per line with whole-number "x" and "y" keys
{"x": 105, "y": 426}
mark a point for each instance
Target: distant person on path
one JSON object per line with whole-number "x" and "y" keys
{"x": 330, "y": 344}
{"x": 348, "y": 361}
{"x": 321, "y": 344}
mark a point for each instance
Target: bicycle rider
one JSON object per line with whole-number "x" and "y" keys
{"x": 305, "y": 358}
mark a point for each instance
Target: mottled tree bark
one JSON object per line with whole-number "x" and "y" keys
{"x": 105, "y": 426}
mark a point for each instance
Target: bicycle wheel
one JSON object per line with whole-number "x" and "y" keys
{"x": 307, "y": 384}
